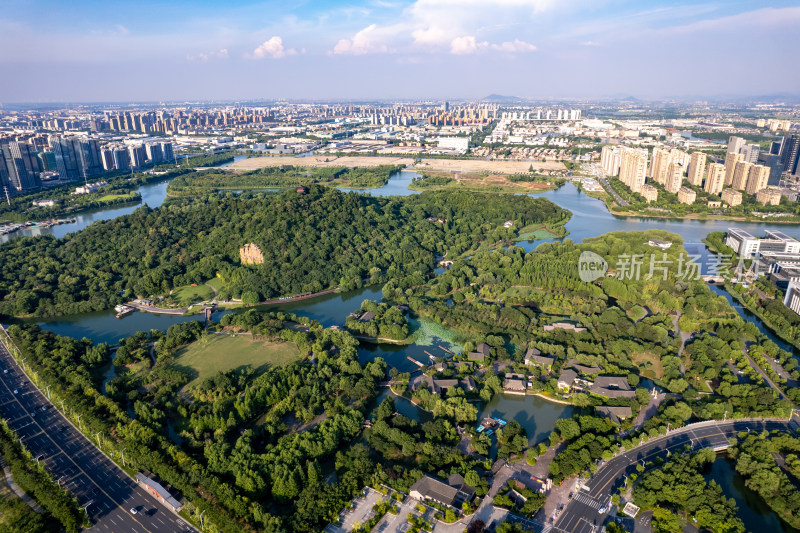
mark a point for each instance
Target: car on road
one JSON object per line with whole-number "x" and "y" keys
{"x": 603, "y": 509}
{"x": 134, "y": 510}
{"x": 16, "y": 391}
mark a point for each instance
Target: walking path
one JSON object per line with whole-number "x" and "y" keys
{"x": 18, "y": 491}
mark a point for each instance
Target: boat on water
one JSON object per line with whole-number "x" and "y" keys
{"x": 124, "y": 310}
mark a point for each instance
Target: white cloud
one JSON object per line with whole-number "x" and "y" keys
{"x": 466, "y": 44}
{"x": 515, "y": 46}
{"x": 458, "y": 26}
{"x": 273, "y": 47}
{"x": 222, "y": 53}
{"x": 367, "y": 41}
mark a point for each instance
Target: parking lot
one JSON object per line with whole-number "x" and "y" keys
{"x": 362, "y": 512}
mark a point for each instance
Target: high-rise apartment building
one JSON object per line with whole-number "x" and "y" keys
{"x": 757, "y": 179}
{"x": 697, "y": 168}
{"x": 658, "y": 165}
{"x": 773, "y": 161}
{"x": 734, "y": 146}
{"x": 633, "y": 167}
{"x": 91, "y": 159}
{"x": 137, "y": 156}
{"x": 740, "y": 175}
{"x": 674, "y": 177}
{"x": 108, "y": 159}
{"x": 609, "y": 160}
{"x": 750, "y": 153}
{"x": 21, "y": 166}
{"x": 67, "y": 152}
{"x": 790, "y": 154}
{"x": 154, "y": 153}
{"x": 679, "y": 156}
{"x": 121, "y": 159}
{"x": 76, "y": 158}
{"x": 167, "y": 153}
{"x": 731, "y": 161}
{"x": 716, "y": 178}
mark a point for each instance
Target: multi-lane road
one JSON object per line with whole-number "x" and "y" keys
{"x": 106, "y": 491}
{"x": 583, "y": 515}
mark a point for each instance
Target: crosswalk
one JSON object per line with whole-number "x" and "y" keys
{"x": 586, "y": 500}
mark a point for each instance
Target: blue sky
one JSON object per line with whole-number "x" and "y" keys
{"x": 393, "y": 49}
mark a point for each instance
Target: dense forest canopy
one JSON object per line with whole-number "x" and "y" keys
{"x": 282, "y": 176}
{"x": 310, "y": 242}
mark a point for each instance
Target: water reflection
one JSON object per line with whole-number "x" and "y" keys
{"x": 754, "y": 511}
{"x": 536, "y": 415}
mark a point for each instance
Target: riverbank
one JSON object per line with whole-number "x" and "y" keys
{"x": 701, "y": 217}
{"x": 551, "y": 399}
{"x": 384, "y": 340}
{"x": 757, "y": 312}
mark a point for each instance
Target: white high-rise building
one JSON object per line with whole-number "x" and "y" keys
{"x": 610, "y": 160}
{"x": 697, "y": 167}
{"x": 734, "y": 145}
{"x": 633, "y": 167}
{"x": 674, "y": 177}
{"x": 750, "y": 153}
{"x": 716, "y": 178}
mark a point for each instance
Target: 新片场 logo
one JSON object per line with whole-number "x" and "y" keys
{"x": 591, "y": 266}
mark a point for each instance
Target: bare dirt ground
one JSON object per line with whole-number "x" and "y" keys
{"x": 481, "y": 165}
{"x": 320, "y": 161}
{"x": 492, "y": 180}
{"x": 474, "y": 166}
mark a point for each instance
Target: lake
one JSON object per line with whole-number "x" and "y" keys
{"x": 397, "y": 185}
{"x": 153, "y": 194}
{"x": 429, "y": 338}
{"x": 536, "y": 415}
{"x": 754, "y": 511}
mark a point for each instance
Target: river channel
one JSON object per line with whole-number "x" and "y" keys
{"x": 590, "y": 218}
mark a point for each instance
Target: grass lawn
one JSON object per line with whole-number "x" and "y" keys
{"x": 534, "y": 232}
{"x": 650, "y": 363}
{"x": 224, "y": 352}
{"x": 108, "y": 197}
{"x": 187, "y": 295}
{"x": 217, "y": 283}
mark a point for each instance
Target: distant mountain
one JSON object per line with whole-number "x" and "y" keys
{"x": 502, "y": 99}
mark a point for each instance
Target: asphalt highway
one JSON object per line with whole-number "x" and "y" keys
{"x": 106, "y": 491}
{"x": 583, "y": 515}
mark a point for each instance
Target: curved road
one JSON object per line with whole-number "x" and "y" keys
{"x": 107, "y": 492}
{"x": 582, "y": 515}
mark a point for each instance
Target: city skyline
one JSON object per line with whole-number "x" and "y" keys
{"x": 381, "y": 50}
